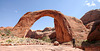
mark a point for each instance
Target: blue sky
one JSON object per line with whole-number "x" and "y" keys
{"x": 12, "y": 10}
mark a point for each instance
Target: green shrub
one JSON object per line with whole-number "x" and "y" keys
{"x": 9, "y": 41}
{"x": 85, "y": 40}
{"x": 7, "y": 32}
{"x": 46, "y": 39}
{"x": 2, "y": 34}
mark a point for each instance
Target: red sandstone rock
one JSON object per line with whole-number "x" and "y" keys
{"x": 52, "y": 35}
{"x": 9, "y": 28}
{"x": 95, "y": 35}
{"x": 29, "y": 34}
{"x": 47, "y": 29}
{"x": 26, "y": 21}
{"x": 91, "y": 19}
{"x": 1, "y": 28}
{"x": 66, "y": 27}
{"x": 56, "y": 43}
{"x": 38, "y": 34}
{"x": 92, "y": 49}
{"x": 38, "y": 30}
{"x": 78, "y": 28}
{"x": 90, "y": 16}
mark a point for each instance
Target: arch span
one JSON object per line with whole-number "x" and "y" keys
{"x": 62, "y": 27}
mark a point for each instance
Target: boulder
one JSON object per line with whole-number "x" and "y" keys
{"x": 56, "y": 43}
{"x": 90, "y": 16}
{"x": 92, "y": 20}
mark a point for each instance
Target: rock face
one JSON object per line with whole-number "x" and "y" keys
{"x": 92, "y": 49}
{"x": 91, "y": 46}
{"x": 29, "y": 34}
{"x": 65, "y": 26}
{"x": 92, "y": 20}
{"x": 90, "y": 16}
{"x": 78, "y": 28}
{"x": 52, "y": 35}
{"x": 95, "y": 35}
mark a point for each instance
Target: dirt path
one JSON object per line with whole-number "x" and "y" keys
{"x": 38, "y": 48}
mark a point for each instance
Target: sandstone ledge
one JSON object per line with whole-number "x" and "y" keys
{"x": 92, "y": 46}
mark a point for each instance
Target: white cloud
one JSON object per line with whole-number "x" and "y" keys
{"x": 90, "y": 4}
{"x": 16, "y": 11}
{"x": 86, "y": 1}
{"x": 98, "y": 0}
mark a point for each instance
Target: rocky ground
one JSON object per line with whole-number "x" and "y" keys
{"x": 38, "y": 40}
{"x": 38, "y": 48}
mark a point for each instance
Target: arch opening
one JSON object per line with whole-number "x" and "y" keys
{"x": 42, "y": 23}
{"x": 43, "y": 28}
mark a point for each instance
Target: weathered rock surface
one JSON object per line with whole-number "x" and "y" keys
{"x": 90, "y": 16}
{"x": 78, "y": 28}
{"x": 29, "y": 34}
{"x": 91, "y": 46}
{"x": 48, "y": 29}
{"x": 52, "y": 35}
{"x": 38, "y": 34}
{"x": 9, "y": 28}
{"x": 95, "y": 35}
{"x": 92, "y": 20}
{"x": 92, "y": 49}
{"x": 66, "y": 27}
{"x": 56, "y": 43}
{"x": 26, "y": 21}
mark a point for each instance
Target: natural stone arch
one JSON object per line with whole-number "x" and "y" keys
{"x": 62, "y": 27}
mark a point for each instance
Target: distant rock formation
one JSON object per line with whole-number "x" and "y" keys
{"x": 9, "y": 28}
{"x": 49, "y": 32}
{"x": 66, "y": 27}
